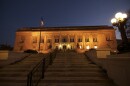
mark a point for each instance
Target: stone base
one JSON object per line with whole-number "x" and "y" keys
{"x": 4, "y": 54}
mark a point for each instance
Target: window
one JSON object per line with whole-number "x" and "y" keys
{"x": 71, "y": 39}
{"x": 42, "y": 41}
{"x": 34, "y": 39}
{"x": 79, "y": 40}
{"x": 94, "y": 39}
{"x": 56, "y": 40}
{"x": 108, "y": 38}
{"x": 87, "y": 40}
{"x": 48, "y": 40}
{"x": 50, "y": 46}
{"x": 22, "y": 39}
{"x": 64, "y": 40}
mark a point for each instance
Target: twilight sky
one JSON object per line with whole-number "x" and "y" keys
{"x": 15, "y": 14}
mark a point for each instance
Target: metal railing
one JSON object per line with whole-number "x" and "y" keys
{"x": 37, "y": 73}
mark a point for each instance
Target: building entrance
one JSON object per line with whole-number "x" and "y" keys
{"x": 64, "y": 47}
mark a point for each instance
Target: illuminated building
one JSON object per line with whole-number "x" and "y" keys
{"x": 80, "y": 38}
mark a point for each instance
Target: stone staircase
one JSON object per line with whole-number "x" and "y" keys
{"x": 73, "y": 69}
{"x": 16, "y": 74}
{"x": 68, "y": 69}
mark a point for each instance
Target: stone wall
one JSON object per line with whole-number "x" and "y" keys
{"x": 117, "y": 66}
{"x": 12, "y": 58}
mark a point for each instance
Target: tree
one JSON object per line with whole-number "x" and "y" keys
{"x": 5, "y": 47}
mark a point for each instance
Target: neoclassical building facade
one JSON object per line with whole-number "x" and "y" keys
{"x": 80, "y": 38}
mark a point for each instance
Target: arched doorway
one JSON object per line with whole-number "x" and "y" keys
{"x": 64, "y": 47}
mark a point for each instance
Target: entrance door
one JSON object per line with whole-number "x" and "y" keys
{"x": 64, "y": 47}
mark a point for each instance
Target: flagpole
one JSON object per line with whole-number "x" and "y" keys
{"x": 42, "y": 24}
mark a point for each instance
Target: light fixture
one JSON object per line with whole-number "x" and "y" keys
{"x": 88, "y": 47}
{"x": 60, "y": 46}
{"x": 80, "y": 46}
{"x": 120, "y": 21}
{"x": 68, "y": 46}
{"x": 95, "y": 47}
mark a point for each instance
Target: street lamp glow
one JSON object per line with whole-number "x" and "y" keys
{"x": 124, "y": 15}
{"x": 118, "y": 15}
{"x": 113, "y": 20}
{"x": 120, "y": 21}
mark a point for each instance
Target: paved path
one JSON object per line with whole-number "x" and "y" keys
{"x": 73, "y": 69}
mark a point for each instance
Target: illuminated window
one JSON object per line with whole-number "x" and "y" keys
{"x": 108, "y": 38}
{"x": 22, "y": 39}
{"x": 94, "y": 39}
{"x": 34, "y": 39}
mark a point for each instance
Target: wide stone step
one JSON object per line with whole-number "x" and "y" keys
{"x": 12, "y": 78}
{"x": 13, "y": 84}
{"x": 80, "y": 64}
{"x": 72, "y": 66}
{"x": 15, "y": 81}
{"x": 75, "y": 84}
{"x": 76, "y": 74}
{"x": 13, "y": 74}
{"x": 73, "y": 70}
{"x": 75, "y": 81}
{"x": 76, "y": 78}
{"x": 15, "y": 68}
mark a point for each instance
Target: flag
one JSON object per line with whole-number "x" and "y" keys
{"x": 42, "y": 23}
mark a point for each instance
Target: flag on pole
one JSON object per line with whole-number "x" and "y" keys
{"x": 42, "y": 23}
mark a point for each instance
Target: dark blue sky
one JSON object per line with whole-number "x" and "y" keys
{"x": 15, "y": 14}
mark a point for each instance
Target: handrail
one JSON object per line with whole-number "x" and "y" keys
{"x": 42, "y": 64}
{"x": 34, "y": 70}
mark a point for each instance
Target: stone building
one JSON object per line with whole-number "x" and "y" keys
{"x": 80, "y": 38}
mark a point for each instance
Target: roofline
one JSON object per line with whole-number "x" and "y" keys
{"x": 65, "y": 28}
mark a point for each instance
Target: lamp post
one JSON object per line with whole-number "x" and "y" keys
{"x": 120, "y": 22}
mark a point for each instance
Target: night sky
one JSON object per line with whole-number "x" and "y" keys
{"x": 15, "y": 14}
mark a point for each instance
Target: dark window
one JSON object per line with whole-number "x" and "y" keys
{"x": 87, "y": 40}
{"x": 56, "y": 40}
{"x": 50, "y": 46}
{"x": 79, "y": 40}
{"x": 42, "y": 41}
{"x": 72, "y": 40}
{"x": 48, "y": 40}
{"x": 64, "y": 40}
